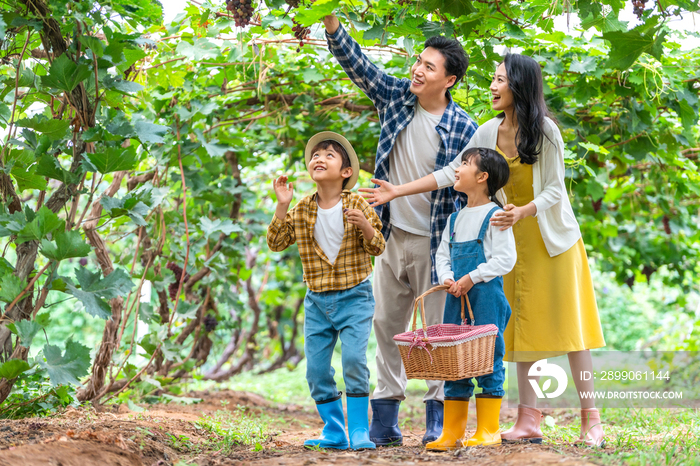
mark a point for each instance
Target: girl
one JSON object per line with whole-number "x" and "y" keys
{"x": 550, "y": 289}
{"x": 471, "y": 259}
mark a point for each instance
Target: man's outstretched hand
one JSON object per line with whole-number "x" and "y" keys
{"x": 381, "y": 195}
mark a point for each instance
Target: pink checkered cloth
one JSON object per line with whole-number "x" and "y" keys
{"x": 447, "y": 333}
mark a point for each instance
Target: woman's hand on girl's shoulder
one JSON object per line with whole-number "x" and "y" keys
{"x": 510, "y": 215}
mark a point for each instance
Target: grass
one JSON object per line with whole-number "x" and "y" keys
{"x": 228, "y": 429}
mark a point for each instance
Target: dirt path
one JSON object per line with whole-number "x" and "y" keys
{"x": 168, "y": 434}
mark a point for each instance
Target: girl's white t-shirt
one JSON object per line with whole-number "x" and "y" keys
{"x": 499, "y": 246}
{"x": 329, "y": 230}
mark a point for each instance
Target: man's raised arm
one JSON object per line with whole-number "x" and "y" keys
{"x": 375, "y": 83}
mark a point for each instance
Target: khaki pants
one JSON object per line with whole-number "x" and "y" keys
{"x": 401, "y": 274}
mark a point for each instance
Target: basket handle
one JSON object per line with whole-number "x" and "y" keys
{"x": 419, "y": 300}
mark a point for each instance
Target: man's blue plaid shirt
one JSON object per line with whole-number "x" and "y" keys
{"x": 395, "y": 104}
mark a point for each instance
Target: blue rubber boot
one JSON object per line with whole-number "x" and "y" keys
{"x": 358, "y": 423}
{"x": 433, "y": 420}
{"x": 333, "y": 435}
{"x": 384, "y": 430}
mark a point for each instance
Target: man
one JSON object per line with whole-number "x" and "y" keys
{"x": 422, "y": 131}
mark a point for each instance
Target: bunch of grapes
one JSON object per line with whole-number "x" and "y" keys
{"x": 300, "y": 32}
{"x": 242, "y": 11}
{"x": 210, "y": 322}
{"x": 177, "y": 270}
{"x": 638, "y": 7}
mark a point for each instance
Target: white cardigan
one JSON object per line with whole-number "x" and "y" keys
{"x": 558, "y": 225}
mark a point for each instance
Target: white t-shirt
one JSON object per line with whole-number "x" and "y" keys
{"x": 413, "y": 157}
{"x": 329, "y": 230}
{"x": 499, "y": 246}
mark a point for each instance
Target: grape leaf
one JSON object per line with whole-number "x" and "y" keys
{"x": 94, "y": 44}
{"x": 626, "y": 47}
{"x": 65, "y": 368}
{"x": 94, "y": 292}
{"x": 125, "y": 87}
{"x": 212, "y": 226}
{"x": 150, "y": 133}
{"x": 11, "y": 287}
{"x": 114, "y": 159}
{"x": 27, "y": 330}
{"x": 54, "y": 129}
{"x": 44, "y": 223}
{"x": 11, "y": 223}
{"x": 27, "y": 178}
{"x": 13, "y": 368}
{"x": 5, "y": 267}
{"x": 129, "y": 205}
{"x": 48, "y": 166}
{"x": 315, "y": 12}
{"x": 65, "y": 74}
{"x": 66, "y": 244}
{"x": 201, "y": 49}
{"x": 218, "y": 150}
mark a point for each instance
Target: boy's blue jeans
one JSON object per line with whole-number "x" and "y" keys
{"x": 328, "y": 315}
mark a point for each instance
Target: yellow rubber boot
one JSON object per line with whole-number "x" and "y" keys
{"x": 453, "y": 426}
{"x": 487, "y": 429}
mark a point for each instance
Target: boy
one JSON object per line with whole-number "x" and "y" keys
{"x": 336, "y": 232}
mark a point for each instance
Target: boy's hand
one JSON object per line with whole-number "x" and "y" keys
{"x": 465, "y": 284}
{"x": 357, "y": 218}
{"x": 284, "y": 193}
{"x": 454, "y": 288}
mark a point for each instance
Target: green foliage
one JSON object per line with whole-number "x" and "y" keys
{"x": 66, "y": 244}
{"x": 114, "y": 159}
{"x": 10, "y": 287}
{"x": 65, "y": 368}
{"x": 94, "y": 292}
{"x": 44, "y": 223}
{"x": 65, "y": 75}
{"x": 13, "y": 368}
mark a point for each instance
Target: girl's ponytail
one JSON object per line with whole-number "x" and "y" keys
{"x": 494, "y": 199}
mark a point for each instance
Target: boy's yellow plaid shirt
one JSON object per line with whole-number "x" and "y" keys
{"x": 353, "y": 263}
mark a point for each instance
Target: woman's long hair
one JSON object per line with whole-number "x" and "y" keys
{"x": 525, "y": 81}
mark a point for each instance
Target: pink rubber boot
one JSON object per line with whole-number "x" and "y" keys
{"x": 591, "y": 429}
{"x": 526, "y": 428}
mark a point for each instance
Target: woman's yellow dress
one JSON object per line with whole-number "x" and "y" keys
{"x": 553, "y": 304}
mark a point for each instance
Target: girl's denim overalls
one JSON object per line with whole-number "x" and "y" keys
{"x": 489, "y": 305}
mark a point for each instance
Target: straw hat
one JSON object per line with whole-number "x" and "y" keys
{"x": 331, "y": 136}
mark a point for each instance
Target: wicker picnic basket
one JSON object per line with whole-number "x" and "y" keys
{"x": 446, "y": 351}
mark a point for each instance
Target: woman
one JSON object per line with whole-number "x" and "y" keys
{"x": 550, "y": 289}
